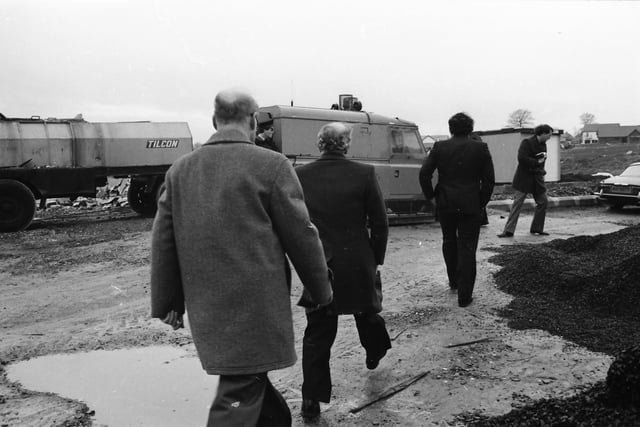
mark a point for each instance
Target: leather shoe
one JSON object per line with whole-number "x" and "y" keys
{"x": 465, "y": 303}
{"x": 505, "y": 234}
{"x": 310, "y": 409}
{"x": 372, "y": 362}
{"x": 540, "y": 233}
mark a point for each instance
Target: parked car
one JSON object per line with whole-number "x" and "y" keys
{"x": 620, "y": 190}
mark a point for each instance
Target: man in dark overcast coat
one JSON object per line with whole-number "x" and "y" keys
{"x": 465, "y": 183}
{"x": 346, "y": 204}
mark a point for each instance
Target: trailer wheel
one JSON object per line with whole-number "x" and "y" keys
{"x": 140, "y": 200}
{"x": 17, "y": 205}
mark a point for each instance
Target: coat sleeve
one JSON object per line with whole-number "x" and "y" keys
{"x": 298, "y": 235}
{"x": 426, "y": 172}
{"x": 166, "y": 281}
{"x": 525, "y": 156}
{"x": 487, "y": 176}
{"x": 378, "y": 222}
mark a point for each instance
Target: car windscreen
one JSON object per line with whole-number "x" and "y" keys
{"x": 632, "y": 171}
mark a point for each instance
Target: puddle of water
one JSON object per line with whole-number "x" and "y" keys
{"x": 152, "y": 386}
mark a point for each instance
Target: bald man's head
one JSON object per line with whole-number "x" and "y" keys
{"x": 234, "y": 107}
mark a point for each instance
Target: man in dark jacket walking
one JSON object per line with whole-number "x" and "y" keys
{"x": 230, "y": 212}
{"x": 529, "y": 179}
{"x": 465, "y": 183}
{"x": 344, "y": 199}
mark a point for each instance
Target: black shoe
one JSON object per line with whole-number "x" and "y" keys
{"x": 505, "y": 234}
{"x": 453, "y": 287}
{"x": 310, "y": 409}
{"x": 539, "y": 233}
{"x": 465, "y": 303}
{"x": 372, "y": 363}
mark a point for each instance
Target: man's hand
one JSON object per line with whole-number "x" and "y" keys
{"x": 174, "y": 319}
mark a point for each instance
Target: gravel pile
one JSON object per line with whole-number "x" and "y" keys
{"x": 586, "y": 289}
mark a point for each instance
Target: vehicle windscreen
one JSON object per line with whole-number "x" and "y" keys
{"x": 632, "y": 171}
{"x": 405, "y": 141}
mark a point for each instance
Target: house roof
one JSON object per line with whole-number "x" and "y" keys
{"x": 434, "y": 138}
{"x": 610, "y": 130}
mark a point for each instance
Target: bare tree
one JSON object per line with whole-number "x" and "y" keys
{"x": 520, "y": 118}
{"x": 587, "y": 119}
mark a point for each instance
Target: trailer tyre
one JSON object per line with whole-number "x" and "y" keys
{"x": 17, "y": 205}
{"x": 140, "y": 200}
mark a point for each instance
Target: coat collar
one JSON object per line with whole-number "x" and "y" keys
{"x": 459, "y": 138}
{"x": 332, "y": 156}
{"x": 229, "y": 135}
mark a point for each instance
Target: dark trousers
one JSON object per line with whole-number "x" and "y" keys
{"x": 460, "y": 233}
{"x": 319, "y": 336}
{"x": 248, "y": 400}
{"x": 484, "y": 219}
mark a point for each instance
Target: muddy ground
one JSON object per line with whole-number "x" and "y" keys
{"x": 79, "y": 281}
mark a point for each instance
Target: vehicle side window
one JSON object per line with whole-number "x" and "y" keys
{"x": 397, "y": 141}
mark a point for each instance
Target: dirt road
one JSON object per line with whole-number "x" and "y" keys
{"x": 82, "y": 284}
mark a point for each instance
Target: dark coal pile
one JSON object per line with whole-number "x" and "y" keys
{"x": 592, "y": 408}
{"x": 623, "y": 378}
{"x": 586, "y": 289}
{"x": 614, "y": 402}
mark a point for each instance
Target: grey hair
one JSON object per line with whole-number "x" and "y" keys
{"x": 334, "y": 137}
{"x": 233, "y": 106}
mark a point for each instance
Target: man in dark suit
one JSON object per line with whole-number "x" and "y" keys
{"x": 346, "y": 204}
{"x": 229, "y": 214}
{"x": 465, "y": 183}
{"x": 529, "y": 179}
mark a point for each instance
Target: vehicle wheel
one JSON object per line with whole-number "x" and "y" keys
{"x": 17, "y": 205}
{"x": 141, "y": 201}
{"x": 159, "y": 190}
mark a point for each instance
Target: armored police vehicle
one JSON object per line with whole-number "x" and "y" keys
{"x": 392, "y": 145}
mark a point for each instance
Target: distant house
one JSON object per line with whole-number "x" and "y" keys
{"x": 610, "y": 133}
{"x": 433, "y": 138}
{"x": 429, "y": 140}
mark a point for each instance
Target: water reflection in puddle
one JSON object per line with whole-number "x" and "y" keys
{"x": 152, "y": 386}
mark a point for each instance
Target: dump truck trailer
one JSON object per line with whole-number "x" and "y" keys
{"x": 392, "y": 145}
{"x": 49, "y": 158}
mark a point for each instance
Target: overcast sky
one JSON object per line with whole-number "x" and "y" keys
{"x": 422, "y": 61}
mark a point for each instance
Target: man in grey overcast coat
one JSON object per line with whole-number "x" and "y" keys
{"x": 230, "y": 212}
